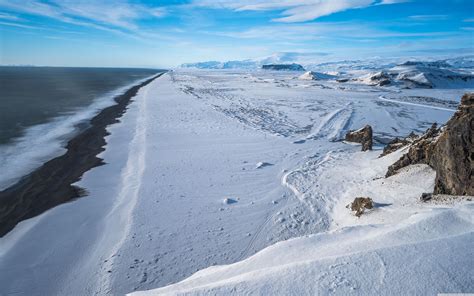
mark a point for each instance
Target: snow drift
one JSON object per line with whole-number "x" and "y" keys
{"x": 428, "y": 253}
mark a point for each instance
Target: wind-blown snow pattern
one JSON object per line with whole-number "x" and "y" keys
{"x": 236, "y": 182}
{"x": 415, "y": 257}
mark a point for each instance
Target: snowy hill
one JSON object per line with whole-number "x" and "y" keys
{"x": 401, "y": 247}
{"x": 311, "y": 75}
{"x": 466, "y": 62}
{"x": 406, "y": 259}
{"x": 420, "y": 74}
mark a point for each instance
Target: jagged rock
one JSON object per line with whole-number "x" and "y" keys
{"x": 426, "y": 196}
{"x": 384, "y": 82}
{"x": 449, "y": 151}
{"x": 377, "y": 79}
{"x": 420, "y": 151}
{"x": 453, "y": 156}
{"x": 360, "y": 204}
{"x": 398, "y": 143}
{"x": 363, "y": 136}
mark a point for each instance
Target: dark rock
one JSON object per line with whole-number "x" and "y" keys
{"x": 453, "y": 155}
{"x": 420, "y": 151}
{"x": 342, "y": 80}
{"x": 426, "y": 196}
{"x": 380, "y": 79}
{"x": 380, "y": 76}
{"x": 384, "y": 82}
{"x": 363, "y": 136}
{"x": 449, "y": 151}
{"x": 284, "y": 67}
{"x": 398, "y": 143}
{"x": 360, "y": 204}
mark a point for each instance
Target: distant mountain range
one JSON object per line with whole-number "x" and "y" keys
{"x": 309, "y": 61}
{"x": 277, "y": 58}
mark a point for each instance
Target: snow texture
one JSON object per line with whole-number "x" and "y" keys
{"x": 185, "y": 190}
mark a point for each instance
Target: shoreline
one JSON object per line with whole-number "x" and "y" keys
{"x": 51, "y": 184}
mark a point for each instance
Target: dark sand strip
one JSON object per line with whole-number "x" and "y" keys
{"x": 51, "y": 184}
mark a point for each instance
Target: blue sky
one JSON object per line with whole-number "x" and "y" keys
{"x": 167, "y": 33}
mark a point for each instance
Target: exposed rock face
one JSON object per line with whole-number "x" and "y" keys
{"x": 420, "y": 151}
{"x": 449, "y": 151}
{"x": 453, "y": 157}
{"x": 398, "y": 143}
{"x": 426, "y": 196}
{"x": 284, "y": 67}
{"x": 380, "y": 78}
{"x": 363, "y": 136}
{"x": 360, "y": 204}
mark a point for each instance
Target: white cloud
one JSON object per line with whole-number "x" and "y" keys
{"x": 293, "y": 10}
{"x": 119, "y": 14}
{"x": 311, "y": 12}
{"x": 393, "y": 1}
{"x": 429, "y": 17}
{"x": 17, "y": 25}
{"x": 7, "y": 16}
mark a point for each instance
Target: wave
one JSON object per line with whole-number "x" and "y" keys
{"x": 43, "y": 142}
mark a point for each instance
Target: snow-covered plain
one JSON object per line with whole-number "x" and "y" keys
{"x": 209, "y": 167}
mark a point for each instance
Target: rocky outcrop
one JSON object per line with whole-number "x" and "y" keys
{"x": 420, "y": 151}
{"x": 360, "y": 204}
{"x": 363, "y": 136}
{"x": 449, "y": 151}
{"x": 380, "y": 78}
{"x": 398, "y": 143}
{"x": 453, "y": 155}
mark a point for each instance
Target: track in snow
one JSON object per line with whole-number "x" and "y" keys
{"x": 334, "y": 125}
{"x": 416, "y": 104}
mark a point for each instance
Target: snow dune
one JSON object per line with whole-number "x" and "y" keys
{"x": 429, "y": 253}
{"x": 402, "y": 247}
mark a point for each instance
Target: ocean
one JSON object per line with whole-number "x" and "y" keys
{"x": 42, "y": 107}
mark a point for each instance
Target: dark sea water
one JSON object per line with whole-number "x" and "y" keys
{"x": 35, "y": 95}
{"x": 42, "y": 107}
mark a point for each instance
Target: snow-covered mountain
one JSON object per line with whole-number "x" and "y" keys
{"x": 311, "y": 75}
{"x": 466, "y": 62}
{"x": 245, "y": 64}
{"x": 420, "y": 74}
{"x": 276, "y": 58}
{"x": 430, "y": 73}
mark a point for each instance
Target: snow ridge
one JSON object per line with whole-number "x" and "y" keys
{"x": 129, "y": 189}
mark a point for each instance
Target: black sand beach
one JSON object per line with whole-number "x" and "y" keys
{"x": 51, "y": 184}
